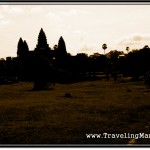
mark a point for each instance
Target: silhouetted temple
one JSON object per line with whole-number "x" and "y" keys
{"x": 42, "y": 48}
{"x": 43, "y": 64}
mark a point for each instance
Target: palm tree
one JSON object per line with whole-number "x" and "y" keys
{"x": 104, "y": 46}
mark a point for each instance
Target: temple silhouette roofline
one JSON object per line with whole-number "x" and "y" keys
{"x": 42, "y": 47}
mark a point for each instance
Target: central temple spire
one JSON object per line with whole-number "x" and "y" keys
{"x": 42, "y": 41}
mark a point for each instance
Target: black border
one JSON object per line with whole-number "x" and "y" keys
{"x": 74, "y": 2}
{"x": 77, "y": 1}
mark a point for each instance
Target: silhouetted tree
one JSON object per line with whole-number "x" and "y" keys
{"x": 104, "y": 46}
{"x": 114, "y": 54}
{"x": 114, "y": 63}
{"x": 95, "y": 64}
{"x": 146, "y": 47}
{"x": 147, "y": 79}
{"x": 144, "y": 59}
{"x": 55, "y": 47}
{"x": 137, "y": 62}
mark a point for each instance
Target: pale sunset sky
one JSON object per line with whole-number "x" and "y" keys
{"x": 84, "y": 27}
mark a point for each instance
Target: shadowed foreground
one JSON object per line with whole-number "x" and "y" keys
{"x": 48, "y": 117}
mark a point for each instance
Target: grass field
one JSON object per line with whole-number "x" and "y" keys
{"x": 48, "y": 117}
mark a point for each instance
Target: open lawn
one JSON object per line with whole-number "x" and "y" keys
{"x": 48, "y": 117}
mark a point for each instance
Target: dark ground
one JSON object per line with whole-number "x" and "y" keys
{"x": 48, "y": 117}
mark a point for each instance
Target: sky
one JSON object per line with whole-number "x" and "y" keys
{"x": 84, "y": 27}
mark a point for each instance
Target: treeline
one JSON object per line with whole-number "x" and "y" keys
{"x": 81, "y": 67}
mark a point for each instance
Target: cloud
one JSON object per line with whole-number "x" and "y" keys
{"x": 135, "y": 39}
